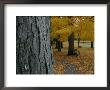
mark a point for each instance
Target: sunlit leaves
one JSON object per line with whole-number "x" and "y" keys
{"x": 82, "y": 26}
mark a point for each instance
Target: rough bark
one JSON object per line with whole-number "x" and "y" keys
{"x": 33, "y": 50}
{"x": 71, "y": 44}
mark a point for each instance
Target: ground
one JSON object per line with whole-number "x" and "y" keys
{"x": 82, "y": 64}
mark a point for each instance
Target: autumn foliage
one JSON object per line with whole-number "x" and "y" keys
{"x": 82, "y": 26}
{"x": 83, "y": 29}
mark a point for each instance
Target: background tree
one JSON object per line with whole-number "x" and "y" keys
{"x": 33, "y": 50}
{"x": 82, "y": 26}
{"x": 59, "y": 43}
{"x": 71, "y": 44}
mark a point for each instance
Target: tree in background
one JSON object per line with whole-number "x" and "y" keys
{"x": 59, "y": 43}
{"x": 82, "y": 26}
{"x": 71, "y": 44}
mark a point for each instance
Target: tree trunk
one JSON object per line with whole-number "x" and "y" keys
{"x": 71, "y": 44}
{"x": 33, "y": 50}
{"x": 56, "y": 42}
{"x": 91, "y": 44}
{"x": 61, "y": 44}
{"x": 78, "y": 42}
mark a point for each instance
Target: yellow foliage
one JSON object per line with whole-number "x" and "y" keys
{"x": 82, "y": 26}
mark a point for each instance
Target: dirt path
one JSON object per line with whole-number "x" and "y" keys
{"x": 83, "y": 64}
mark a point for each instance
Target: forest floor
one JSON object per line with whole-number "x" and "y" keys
{"x": 82, "y": 64}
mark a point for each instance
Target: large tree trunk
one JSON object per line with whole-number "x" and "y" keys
{"x": 71, "y": 44}
{"x": 33, "y": 50}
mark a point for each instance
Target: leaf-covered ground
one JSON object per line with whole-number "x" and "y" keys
{"x": 82, "y": 64}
